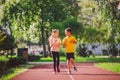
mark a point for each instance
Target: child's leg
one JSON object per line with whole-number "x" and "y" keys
{"x": 58, "y": 61}
{"x": 54, "y": 61}
{"x": 68, "y": 64}
{"x": 72, "y": 61}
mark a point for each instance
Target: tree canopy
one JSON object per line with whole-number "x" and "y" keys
{"x": 32, "y": 20}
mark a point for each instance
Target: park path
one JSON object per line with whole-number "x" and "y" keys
{"x": 86, "y": 71}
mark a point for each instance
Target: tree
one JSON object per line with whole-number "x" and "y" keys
{"x": 77, "y": 27}
{"x": 101, "y": 15}
{"x": 2, "y": 35}
{"x": 22, "y": 16}
{"x": 7, "y": 43}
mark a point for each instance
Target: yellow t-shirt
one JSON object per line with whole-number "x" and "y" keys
{"x": 69, "y": 43}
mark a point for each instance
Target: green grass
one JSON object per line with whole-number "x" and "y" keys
{"x": 49, "y": 59}
{"x": 114, "y": 67}
{"x": 77, "y": 59}
{"x": 3, "y": 58}
{"x": 82, "y": 59}
{"x": 14, "y": 71}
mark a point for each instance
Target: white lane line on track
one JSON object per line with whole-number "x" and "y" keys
{"x": 72, "y": 78}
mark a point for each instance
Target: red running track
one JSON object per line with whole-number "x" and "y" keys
{"x": 86, "y": 71}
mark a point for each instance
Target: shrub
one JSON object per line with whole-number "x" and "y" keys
{"x": 14, "y": 62}
{"x": 78, "y": 49}
{"x": 81, "y": 50}
{"x": 33, "y": 57}
{"x": 3, "y": 68}
{"x": 11, "y": 63}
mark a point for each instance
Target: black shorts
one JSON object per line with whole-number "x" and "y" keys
{"x": 69, "y": 55}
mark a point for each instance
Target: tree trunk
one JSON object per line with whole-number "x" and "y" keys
{"x": 43, "y": 40}
{"x": 48, "y": 43}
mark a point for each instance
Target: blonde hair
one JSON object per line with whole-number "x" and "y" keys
{"x": 55, "y": 30}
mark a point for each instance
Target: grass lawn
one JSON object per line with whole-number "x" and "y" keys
{"x": 81, "y": 59}
{"x": 114, "y": 67}
{"x": 14, "y": 71}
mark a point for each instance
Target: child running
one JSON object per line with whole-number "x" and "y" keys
{"x": 69, "y": 42}
{"x": 55, "y": 42}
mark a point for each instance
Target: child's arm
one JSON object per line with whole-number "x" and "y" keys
{"x": 74, "y": 41}
{"x": 63, "y": 42}
{"x": 52, "y": 43}
{"x": 58, "y": 42}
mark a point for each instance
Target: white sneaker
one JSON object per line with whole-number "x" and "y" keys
{"x": 69, "y": 72}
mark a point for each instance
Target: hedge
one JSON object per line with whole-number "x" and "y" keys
{"x": 33, "y": 57}
{"x": 11, "y": 63}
